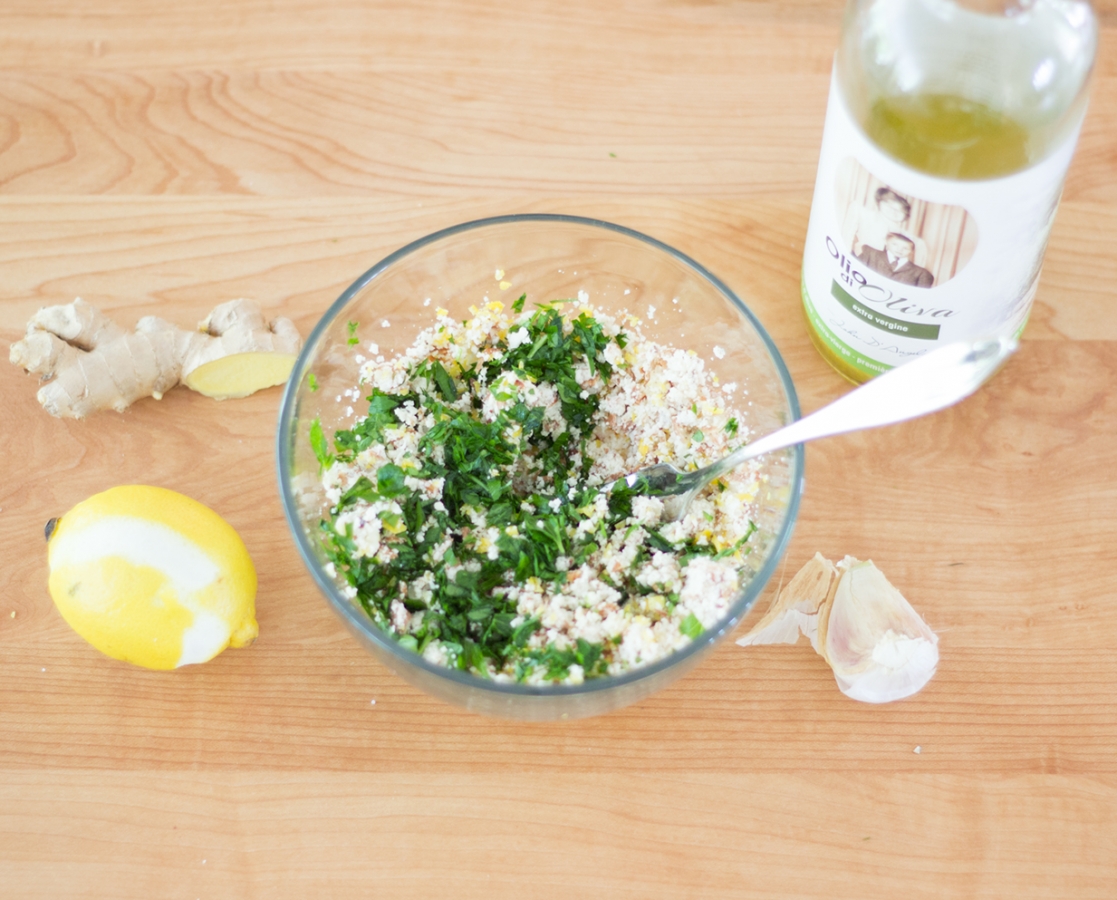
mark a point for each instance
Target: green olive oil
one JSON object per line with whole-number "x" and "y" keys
{"x": 949, "y": 130}
{"x": 942, "y": 135}
{"x": 948, "y": 136}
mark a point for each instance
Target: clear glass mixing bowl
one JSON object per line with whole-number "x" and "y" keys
{"x": 548, "y": 257}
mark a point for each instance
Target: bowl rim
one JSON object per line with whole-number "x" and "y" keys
{"x": 355, "y": 617}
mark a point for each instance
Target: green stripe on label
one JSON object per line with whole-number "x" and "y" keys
{"x": 884, "y": 323}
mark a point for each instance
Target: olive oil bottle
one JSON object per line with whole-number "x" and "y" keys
{"x": 949, "y": 130}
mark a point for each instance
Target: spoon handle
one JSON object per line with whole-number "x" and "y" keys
{"x": 932, "y": 382}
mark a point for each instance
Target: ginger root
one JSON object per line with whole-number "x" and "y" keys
{"x": 89, "y": 363}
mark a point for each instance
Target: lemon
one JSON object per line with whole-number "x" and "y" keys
{"x": 152, "y": 577}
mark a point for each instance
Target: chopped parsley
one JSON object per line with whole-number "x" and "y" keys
{"x": 691, "y": 627}
{"x": 319, "y": 446}
{"x": 493, "y": 502}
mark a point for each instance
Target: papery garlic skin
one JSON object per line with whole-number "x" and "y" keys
{"x": 792, "y": 625}
{"x": 905, "y": 665}
{"x": 878, "y": 646}
{"x": 795, "y": 611}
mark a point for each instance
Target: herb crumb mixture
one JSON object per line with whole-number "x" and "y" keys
{"x": 467, "y": 512}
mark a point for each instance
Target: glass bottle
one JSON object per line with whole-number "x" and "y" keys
{"x": 949, "y": 130}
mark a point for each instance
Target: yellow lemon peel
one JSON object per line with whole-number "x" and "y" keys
{"x": 152, "y": 577}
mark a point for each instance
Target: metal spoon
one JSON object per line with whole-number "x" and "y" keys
{"x": 926, "y": 384}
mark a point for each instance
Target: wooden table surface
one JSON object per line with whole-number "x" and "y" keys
{"x": 159, "y": 157}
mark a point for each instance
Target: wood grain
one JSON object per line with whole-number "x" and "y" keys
{"x": 132, "y": 255}
{"x": 707, "y": 98}
{"x": 161, "y": 158}
{"x": 650, "y": 836}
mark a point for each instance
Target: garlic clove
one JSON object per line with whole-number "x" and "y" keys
{"x": 796, "y": 609}
{"x": 878, "y": 646}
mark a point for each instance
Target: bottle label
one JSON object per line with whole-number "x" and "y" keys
{"x": 898, "y": 262}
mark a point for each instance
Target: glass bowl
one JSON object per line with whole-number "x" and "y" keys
{"x": 549, "y": 257}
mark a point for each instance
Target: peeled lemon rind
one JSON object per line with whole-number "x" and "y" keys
{"x": 152, "y": 577}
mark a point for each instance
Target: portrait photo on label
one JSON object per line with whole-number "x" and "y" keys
{"x": 901, "y": 237}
